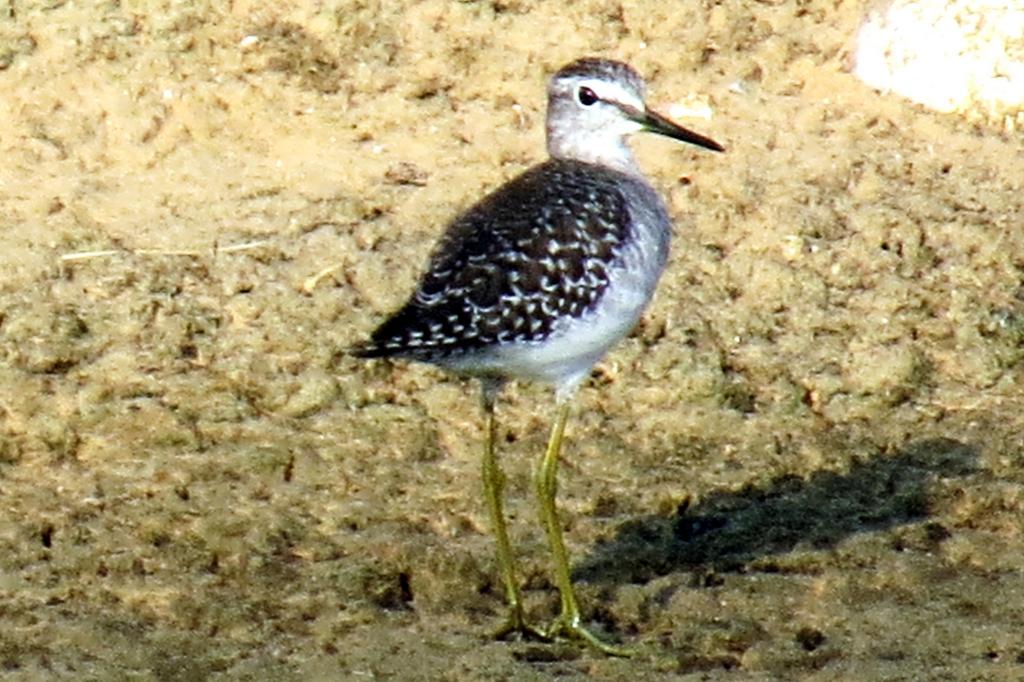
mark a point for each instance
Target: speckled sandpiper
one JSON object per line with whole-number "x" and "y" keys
{"x": 540, "y": 278}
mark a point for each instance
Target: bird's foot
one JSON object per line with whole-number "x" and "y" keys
{"x": 568, "y": 626}
{"x": 516, "y": 626}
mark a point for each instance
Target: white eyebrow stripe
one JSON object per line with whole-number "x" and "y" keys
{"x": 611, "y": 91}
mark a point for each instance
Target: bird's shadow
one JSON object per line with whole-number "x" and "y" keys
{"x": 728, "y": 531}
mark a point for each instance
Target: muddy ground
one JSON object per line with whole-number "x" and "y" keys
{"x": 807, "y": 462}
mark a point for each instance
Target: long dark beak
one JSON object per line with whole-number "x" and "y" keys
{"x": 654, "y": 122}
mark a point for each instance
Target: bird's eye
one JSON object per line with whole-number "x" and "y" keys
{"x": 586, "y": 96}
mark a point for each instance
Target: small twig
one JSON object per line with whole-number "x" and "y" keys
{"x": 105, "y": 253}
{"x": 82, "y": 255}
{"x": 311, "y": 282}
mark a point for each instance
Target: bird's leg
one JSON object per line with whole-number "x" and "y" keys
{"x": 568, "y": 623}
{"x": 494, "y": 484}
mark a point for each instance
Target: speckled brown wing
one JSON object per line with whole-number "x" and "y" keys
{"x": 538, "y": 249}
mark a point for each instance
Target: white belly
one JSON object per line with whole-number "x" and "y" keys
{"x": 566, "y": 356}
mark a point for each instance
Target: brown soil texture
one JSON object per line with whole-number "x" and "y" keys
{"x": 807, "y": 463}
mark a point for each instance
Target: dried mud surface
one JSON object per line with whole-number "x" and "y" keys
{"x": 807, "y": 462}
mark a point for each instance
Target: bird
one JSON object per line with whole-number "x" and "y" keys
{"x": 537, "y": 281}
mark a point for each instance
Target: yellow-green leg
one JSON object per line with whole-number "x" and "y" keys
{"x": 494, "y": 483}
{"x": 568, "y": 623}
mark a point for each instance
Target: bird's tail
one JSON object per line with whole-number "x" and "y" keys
{"x": 367, "y": 349}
